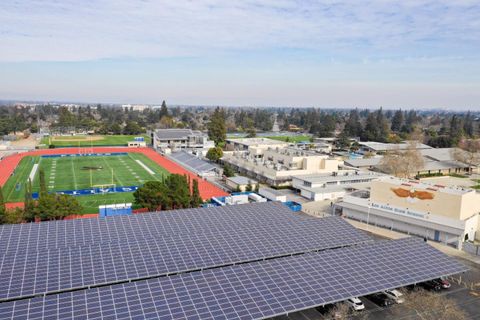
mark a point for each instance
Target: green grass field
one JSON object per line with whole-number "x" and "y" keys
{"x": 292, "y": 138}
{"x": 73, "y": 173}
{"x": 88, "y": 141}
{"x": 289, "y": 138}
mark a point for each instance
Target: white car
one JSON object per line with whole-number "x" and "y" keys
{"x": 395, "y": 295}
{"x": 356, "y": 304}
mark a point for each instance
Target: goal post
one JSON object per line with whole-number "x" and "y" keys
{"x": 104, "y": 187}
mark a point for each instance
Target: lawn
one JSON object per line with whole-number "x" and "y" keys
{"x": 89, "y": 141}
{"x": 73, "y": 173}
{"x": 292, "y": 138}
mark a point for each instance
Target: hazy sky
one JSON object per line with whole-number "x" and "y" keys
{"x": 408, "y": 53}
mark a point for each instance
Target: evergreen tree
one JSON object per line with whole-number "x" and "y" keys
{"x": 29, "y": 205}
{"x": 468, "y": 125}
{"x": 163, "y": 110}
{"x": 371, "y": 129}
{"x": 250, "y": 129}
{"x": 216, "y": 127}
{"x": 132, "y": 128}
{"x": 397, "y": 121}
{"x": 196, "y": 200}
{"x": 153, "y": 195}
{"x": 353, "y": 127}
{"x": 43, "y": 184}
{"x": 456, "y": 129}
{"x": 228, "y": 170}
{"x": 3, "y": 211}
{"x": 382, "y": 125}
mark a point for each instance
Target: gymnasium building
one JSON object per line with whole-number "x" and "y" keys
{"x": 436, "y": 212}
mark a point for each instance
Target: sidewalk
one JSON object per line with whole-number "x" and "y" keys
{"x": 397, "y": 235}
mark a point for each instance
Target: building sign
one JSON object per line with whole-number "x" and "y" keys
{"x": 399, "y": 210}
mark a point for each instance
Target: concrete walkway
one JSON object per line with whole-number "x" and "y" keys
{"x": 397, "y": 235}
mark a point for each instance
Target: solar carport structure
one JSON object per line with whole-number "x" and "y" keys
{"x": 236, "y": 262}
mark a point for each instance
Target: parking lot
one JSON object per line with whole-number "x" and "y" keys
{"x": 466, "y": 295}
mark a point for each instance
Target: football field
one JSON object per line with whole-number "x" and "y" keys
{"x": 84, "y": 172}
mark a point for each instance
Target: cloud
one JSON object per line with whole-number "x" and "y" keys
{"x": 67, "y": 30}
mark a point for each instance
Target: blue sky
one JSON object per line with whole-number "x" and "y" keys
{"x": 326, "y": 53}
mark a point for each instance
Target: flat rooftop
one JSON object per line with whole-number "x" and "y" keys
{"x": 168, "y": 134}
{"x": 257, "y": 141}
{"x": 425, "y": 185}
{"x": 319, "y": 178}
{"x": 380, "y": 146}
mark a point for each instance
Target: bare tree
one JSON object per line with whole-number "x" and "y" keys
{"x": 432, "y": 306}
{"x": 468, "y": 152}
{"x": 402, "y": 163}
{"x": 341, "y": 311}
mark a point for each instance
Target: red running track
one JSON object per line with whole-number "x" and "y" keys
{"x": 207, "y": 190}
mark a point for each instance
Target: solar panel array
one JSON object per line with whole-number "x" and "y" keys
{"x": 252, "y": 290}
{"x": 147, "y": 248}
{"x": 81, "y": 232}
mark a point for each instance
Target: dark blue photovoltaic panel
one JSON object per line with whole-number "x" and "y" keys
{"x": 253, "y": 290}
{"x": 268, "y": 217}
{"x": 152, "y": 254}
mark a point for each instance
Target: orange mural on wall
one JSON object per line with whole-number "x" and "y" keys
{"x": 418, "y": 194}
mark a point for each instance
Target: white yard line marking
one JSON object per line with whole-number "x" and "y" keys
{"x": 115, "y": 177}
{"x": 33, "y": 172}
{"x": 74, "y": 176}
{"x": 145, "y": 167}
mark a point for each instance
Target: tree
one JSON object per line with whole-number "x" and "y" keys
{"x": 429, "y": 305}
{"x": 228, "y": 170}
{"x": 456, "y": 129}
{"x": 397, "y": 121}
{"x": 402, "y": 163}
{"x": 152, "y": 195}
{"x": 171, "y": 193}
{"x": 353, "y": 127}
{"x": 178, "y": 191}
{"x": 249, "y": 186}
{"x": 216, "y": 127}
{"x": 14, "y": 216}
{"x": 343, "y": 142}
{"x": 468, "y": 152}
{"x": 3, "y": 210}
{"x": 196, "y": 199}
{"x": 116, "y": 128}
{"x": 163, "y": 110}
{"x": 341, "y": 310}
{"x": 66, "y": 119}
{"x": 132, "y": 128}
{"x": 376, "y": 127}
{"x": 65, "y": 205}
{"x": 42, "y": 182}
{"x": 251, "y": 132}
{"x": 215, "y": 153}
{"x": 29, "y": 206}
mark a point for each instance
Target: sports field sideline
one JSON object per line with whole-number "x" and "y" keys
{"x": 82, "y": 172}
{"x": 70, "y": 172}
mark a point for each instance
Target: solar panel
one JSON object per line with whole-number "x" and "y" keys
{"x": 42, "y": 271}
{"x": 71, "y": 233}
{"x": 253, "y": 290}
